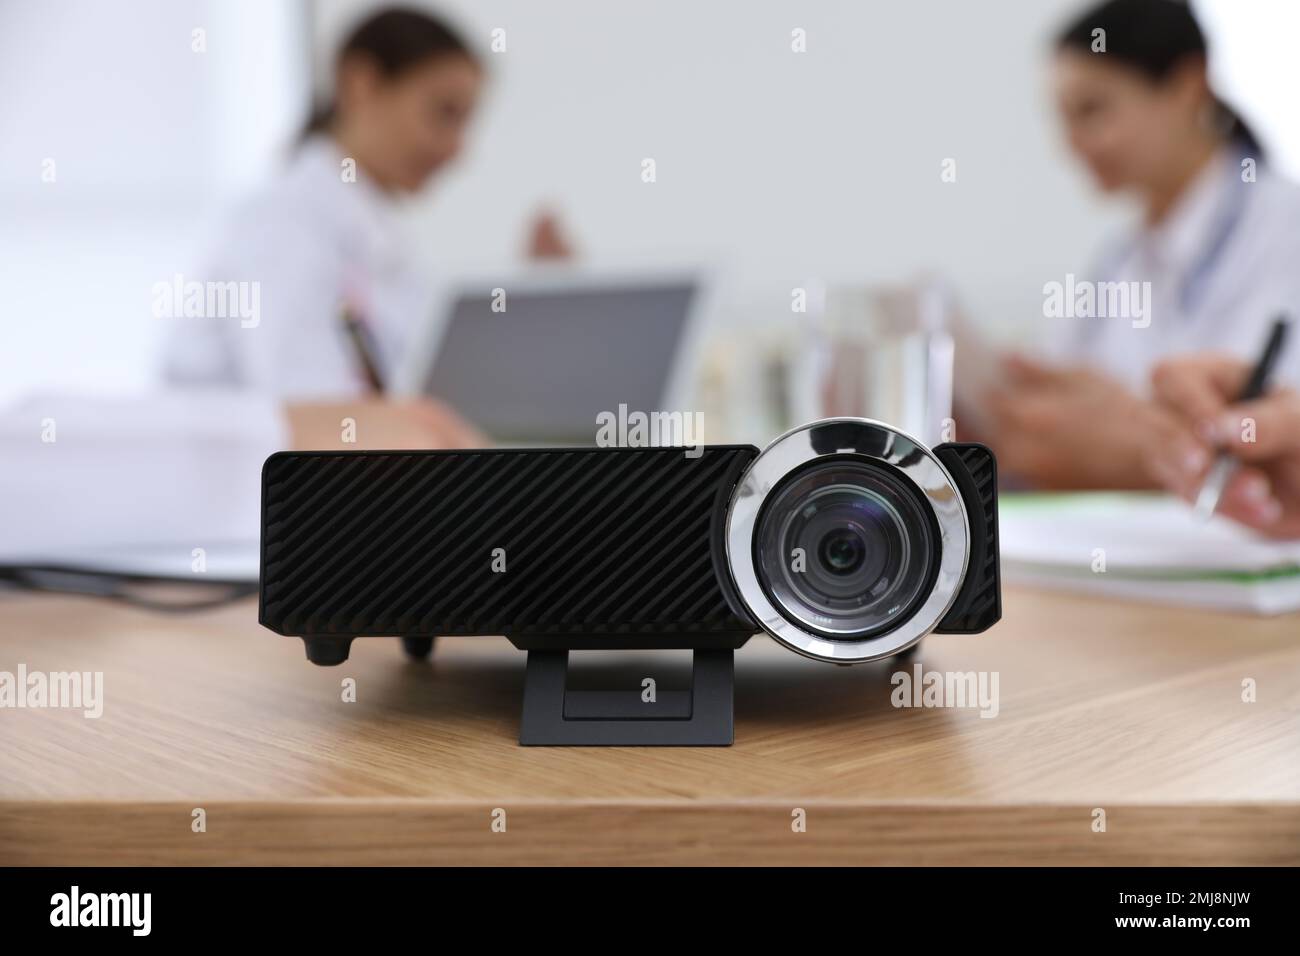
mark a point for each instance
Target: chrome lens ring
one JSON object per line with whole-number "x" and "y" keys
{"x": 874, "y": 441}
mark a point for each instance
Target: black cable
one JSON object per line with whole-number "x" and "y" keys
{"x": 115, "y": 586}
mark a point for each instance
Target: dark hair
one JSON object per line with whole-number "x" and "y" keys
{"x": 394, "y": 39}
{"x": 1154, "y": 37}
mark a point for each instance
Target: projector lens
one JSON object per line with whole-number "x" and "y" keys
{"x": 846, "y": 548}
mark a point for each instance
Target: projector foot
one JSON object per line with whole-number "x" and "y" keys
{"x": 417, "y": 648}
{"x": 556, "y": 716}
{"x": 327, "y": 651}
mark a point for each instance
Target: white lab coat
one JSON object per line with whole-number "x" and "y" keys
{"x": 311, "y": 239}
{"x": 1222, "y": 266}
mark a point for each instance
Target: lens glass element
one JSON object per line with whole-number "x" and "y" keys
{"x": 846, "y": 548}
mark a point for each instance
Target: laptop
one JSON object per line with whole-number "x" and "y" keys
{"x": 534, "y": 360}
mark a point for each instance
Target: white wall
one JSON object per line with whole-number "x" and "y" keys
{"x": 148, "y": 138}
{"x": 1254, "y": 66}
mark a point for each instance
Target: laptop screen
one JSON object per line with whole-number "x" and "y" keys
{"x": 542, "y": 369}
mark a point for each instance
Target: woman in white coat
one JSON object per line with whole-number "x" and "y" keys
{"x": 323, "y": 239}
{"x": 1210, "y": 265}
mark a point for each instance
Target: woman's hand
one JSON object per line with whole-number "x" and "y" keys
{"x": 547, "y": 240}
{"x": 1264, "y": 435}
{"x": 1072, "y": 427}
{"x": 373, "y": 424}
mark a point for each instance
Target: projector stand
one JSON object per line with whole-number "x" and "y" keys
{"x": 699, "y": 717}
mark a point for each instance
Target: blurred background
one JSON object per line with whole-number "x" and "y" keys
{"x": 778, "y": 170}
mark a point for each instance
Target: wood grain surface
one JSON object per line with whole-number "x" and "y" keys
{"x": 1126, "y": 708}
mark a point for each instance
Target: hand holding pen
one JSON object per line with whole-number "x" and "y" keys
{"x": 1240, "y": 453}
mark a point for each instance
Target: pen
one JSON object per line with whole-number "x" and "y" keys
{"x": 363, "y": 345}
{"x": 1207, "y": 499}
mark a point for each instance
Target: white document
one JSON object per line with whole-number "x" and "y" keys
{"x": 1146, "y": 547}
{"x": 136, "y": 484}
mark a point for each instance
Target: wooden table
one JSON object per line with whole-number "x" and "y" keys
{"x": 1125, "y": 708}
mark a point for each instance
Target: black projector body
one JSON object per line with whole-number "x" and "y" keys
{"x": 567, "y": 548}
{"x": 845, "y": 540}
{"x": 553, "y": 548}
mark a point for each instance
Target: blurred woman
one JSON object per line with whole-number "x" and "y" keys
{"x": 337, "y": 289}
{"x": 1217, "y": 242}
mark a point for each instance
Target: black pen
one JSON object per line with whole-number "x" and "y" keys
{"x": 364, "y": 346}
{"x": 1207, "y": 499}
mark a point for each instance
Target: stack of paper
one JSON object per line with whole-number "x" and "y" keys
{"x": 1146, "y": 547}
